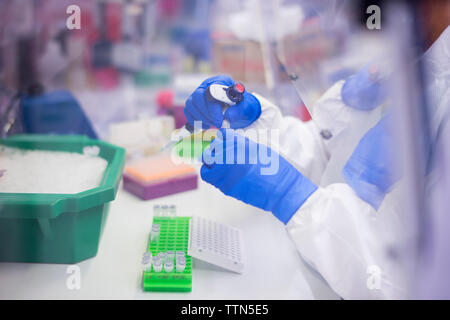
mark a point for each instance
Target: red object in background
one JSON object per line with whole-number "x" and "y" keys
{"x": 106, "y": 78}
{"x": 165, "y": 98}
{"x": 169, "y": 8}
{"x": 113, "y": 17}
{"x": 302, "y": 113}
{"x": 88, "y": 29}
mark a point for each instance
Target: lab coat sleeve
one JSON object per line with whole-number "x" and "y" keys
{"x": 299, "y": 142}
{"x": 308, "y": 145}
{"x": 337, "y": 234}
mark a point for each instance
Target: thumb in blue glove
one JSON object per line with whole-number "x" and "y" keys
{"x": 364, "y": 90}
{"x": 244, "y": 113}
{"x": 199, "y": 107}
{"x": 243, "y": 169}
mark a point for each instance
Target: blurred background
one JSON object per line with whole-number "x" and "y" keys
{"x": 133, "y": 60}
{"x": 125, "y": 75}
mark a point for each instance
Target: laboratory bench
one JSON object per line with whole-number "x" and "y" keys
{"x": 273, "y": 268}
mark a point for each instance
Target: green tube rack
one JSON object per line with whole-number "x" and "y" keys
{"x": 173, "y": 236}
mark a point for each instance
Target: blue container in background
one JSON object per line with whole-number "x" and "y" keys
{"x": 56, "y": 112}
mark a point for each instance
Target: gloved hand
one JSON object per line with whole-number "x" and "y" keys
{"x": 364, "y": 90}
{"x": 373, "y": 168}
{"x": 200, "y": 108}
{"x": 254, "y": 174}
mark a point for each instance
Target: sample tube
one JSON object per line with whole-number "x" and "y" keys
{"x": 173, "y": 211}
{"x": 154, "y": 235}
{"x": 168, "y": 266}
{"x": 181, "y": 264}
{"x": 156, "y": 210}
{"x": 165, "y": 210}
{"x": 147, "y": 261}
{"x": 180, "y": 254}
{"x": 157, "y": 264}
{"x": 170, "y": 255}
{"x": 162, "y": 256}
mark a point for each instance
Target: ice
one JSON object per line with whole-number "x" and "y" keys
{"x": 41, "y": 171}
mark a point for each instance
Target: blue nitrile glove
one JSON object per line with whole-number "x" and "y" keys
{"x": 255, "y": 174}
{"x": 371, "y": 170}
{"x": 200, "y": 108}
{"x": 363, "y": 91}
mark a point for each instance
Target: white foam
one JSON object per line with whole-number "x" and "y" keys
{"x": 41, "y": 171}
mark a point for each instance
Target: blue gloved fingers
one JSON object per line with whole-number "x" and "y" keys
{"x": 216, "y": 112}
{"x": 199, "y": 108}
{"x": 212, "y": 171}
{"x": 363, "y": 91}
{"x": 190, "y": 117}
{"x": 209, "y": 154}
{"x": 219, "y": 173}
{"x": 244, "y": 113}
{"x": 206, "y": 109}
{"x": 220, "y": 79}
{"x": 215, "y": 158}
{"x": 233, "y": 150}
{"x": 209, "y": 175}
{"x": 282, "y": 191}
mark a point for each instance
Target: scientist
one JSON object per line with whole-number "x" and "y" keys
{"x": 341, "y": 222}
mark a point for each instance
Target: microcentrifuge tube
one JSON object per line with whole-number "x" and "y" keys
{"x": 162, "y": 256}
{"x": 147, "y": 261}
{"x": 155, "y": 232}
{"x": 180, "y": 253}
{"x": 173, "y": 211}
{"x": 157, "y": 264}
{"x": 168, "y": 266}
{"x": 170, "y": 255}
{"x": 181, "y": 264}
{"x": 165, "y": 210}
{"x": 156, "y": 210}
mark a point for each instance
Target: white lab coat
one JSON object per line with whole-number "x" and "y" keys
{"x": 345, "y": 239}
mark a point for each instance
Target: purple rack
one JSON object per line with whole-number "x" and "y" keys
{"x": 152, "y": 190}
